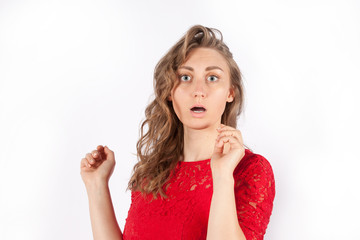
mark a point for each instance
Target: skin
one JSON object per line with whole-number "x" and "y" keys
{"x": 204, "y": 137}
{"x": 210, "y": 88}
{"x": 96, "y": 169}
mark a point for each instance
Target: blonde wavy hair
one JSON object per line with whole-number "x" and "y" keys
{"x": 161, "y": 140}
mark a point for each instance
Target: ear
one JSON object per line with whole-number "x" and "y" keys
{"x": 231, "y": 95}
{"x": 169, "y": 98}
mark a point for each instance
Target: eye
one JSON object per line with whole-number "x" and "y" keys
{"x": 185, "y": 78}
{"x": 212, "y": 78}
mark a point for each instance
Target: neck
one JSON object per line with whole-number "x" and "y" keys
{"x": 199, "y": 144}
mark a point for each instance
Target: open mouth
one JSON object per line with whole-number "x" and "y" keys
{"x": 198, "y": 109}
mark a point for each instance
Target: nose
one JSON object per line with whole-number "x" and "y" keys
{"x": 199, "y": 94}
{"x": 199, "y": 90}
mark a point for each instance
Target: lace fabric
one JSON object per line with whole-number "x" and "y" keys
{"x": 185, "y": 213}
{"x": 254, "y": 194}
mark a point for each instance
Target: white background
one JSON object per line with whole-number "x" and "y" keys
{"x": 75, "y": 74}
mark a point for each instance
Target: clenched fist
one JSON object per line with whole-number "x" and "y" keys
{"x": 97, "y": 166}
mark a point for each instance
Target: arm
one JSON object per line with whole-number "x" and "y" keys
{"x": 254, "y": 191}
{"x": 103, "y": 220}
{"x": 223, "y": 222}
{"x": 96, "y": 170}
{"x": 254, "y": 194}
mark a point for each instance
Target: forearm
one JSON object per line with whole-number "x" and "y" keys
{"x": 103, "y": 220}
{"x": 223, "y": 222}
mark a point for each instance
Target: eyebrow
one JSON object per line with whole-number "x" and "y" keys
{"x": 206, "y": 69}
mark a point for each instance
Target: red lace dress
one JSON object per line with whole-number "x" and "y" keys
{"x": 185, "y": 214}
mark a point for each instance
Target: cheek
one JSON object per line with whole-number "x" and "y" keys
{"x": 219, "y": 101}
{"x": 177, "y": 98}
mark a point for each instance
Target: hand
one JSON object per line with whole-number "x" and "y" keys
{"x": 228, "y": 151}
{"x": 97, "y": 166}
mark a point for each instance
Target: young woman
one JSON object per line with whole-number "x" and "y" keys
{"x": 194, "y": 178}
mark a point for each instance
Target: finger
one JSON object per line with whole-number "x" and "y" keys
{"x": 225, "y": 127}
{"x": 218, "y": 148}
{"x": 226, "y": 147}
{"x": 233, "y": 133}
{"x": 219, "y": 129}
{"x": 233, "y": 141}
{"x": 221, "y": 147}
{"x": 84, "y": 163}
{"x": 90, "y": 159}
{"x": 93, "y": 163}
{"x": 101, "y": 150}
{"x": 108, "y": 153}
{"x": 96, "y": 155}
{"x": 221, "y": 141}
{"x": 228, "y": 133}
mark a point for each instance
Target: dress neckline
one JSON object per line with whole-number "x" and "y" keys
{"x": 247, "y": 151}
{"x": 195, "y": 162}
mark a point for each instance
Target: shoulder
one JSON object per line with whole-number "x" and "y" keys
{"x": 252, "y": 161}
{"x": 252, "y": 165}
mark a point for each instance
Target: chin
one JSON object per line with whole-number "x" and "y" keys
{"x": 198, "y": 125}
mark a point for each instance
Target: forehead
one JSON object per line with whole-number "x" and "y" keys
{"x": 205, "y": 57}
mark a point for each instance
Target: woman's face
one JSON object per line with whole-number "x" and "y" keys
{"x": 204, "y": 88}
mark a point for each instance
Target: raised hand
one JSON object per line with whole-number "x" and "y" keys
{"x": 228, "y": 151}
{"x": 98, "y": 165}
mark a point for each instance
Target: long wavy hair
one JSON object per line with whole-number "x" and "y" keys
{"x": 161, "y": 140}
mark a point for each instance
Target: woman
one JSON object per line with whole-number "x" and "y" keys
{"x": 194, "y": 178}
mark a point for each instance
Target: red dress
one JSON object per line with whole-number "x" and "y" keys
{"x": 185, "y": 214}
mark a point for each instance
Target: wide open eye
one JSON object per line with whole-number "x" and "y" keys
{"x": 212, "y": 78}
{"x": 185, "y": 78}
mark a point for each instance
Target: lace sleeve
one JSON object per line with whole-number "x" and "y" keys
{"x": 254, "y": 195}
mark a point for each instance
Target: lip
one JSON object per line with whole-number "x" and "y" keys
{"x": 200, "y": 114}
{"x": 198, "y": 105}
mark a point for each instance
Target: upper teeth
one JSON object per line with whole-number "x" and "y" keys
{"x": 198, "y": 110}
